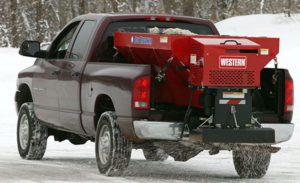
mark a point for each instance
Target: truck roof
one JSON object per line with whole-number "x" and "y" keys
{"x": 150, "y": 17}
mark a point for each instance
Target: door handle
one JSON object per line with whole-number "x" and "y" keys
{"x": 75, "y": 74}
{"x": 55, "y": 73}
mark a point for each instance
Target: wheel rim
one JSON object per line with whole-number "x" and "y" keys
{"x": 24, "y": 131}
{"x": 104, "y": 144}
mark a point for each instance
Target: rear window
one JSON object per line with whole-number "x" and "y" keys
{"x": 106, "y": 51}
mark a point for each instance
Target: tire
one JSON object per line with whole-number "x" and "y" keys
{"x": 31, "y": 135}
{"x": 112, "y": 150}
{"x": 251, "y": 162}
{"x": 155, "y": 154}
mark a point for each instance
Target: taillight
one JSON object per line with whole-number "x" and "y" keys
{"x": 141, "y": 93}
{"x": 289, "y": 96}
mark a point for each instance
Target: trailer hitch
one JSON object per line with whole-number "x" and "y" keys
{"x": 233, "y": 112}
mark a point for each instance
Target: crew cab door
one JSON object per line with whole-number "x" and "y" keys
{"x": 44, "y": 91}
{"x": 45, "y": 79}
{"x": 69, "y": 81}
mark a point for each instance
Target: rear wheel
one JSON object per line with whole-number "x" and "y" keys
{"x": 112, "y": 150}
{"x": 251, "y": 162}
{"x": 155, "y": 154}
{"x": 31, "y": 135}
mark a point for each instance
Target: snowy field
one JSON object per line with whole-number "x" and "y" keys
{"x": 64, "y": 162}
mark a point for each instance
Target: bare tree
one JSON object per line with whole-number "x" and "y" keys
{"x": 188, "y": 7}
{"x": 223, "y": 6}
{"x": 233, "y": 8}
{"x": 81, "y": 7}
{"x": 214, "y": 10}
{"x": 135, "y": 5}
{"x": 289, "y": 8}
{"x": 167, "y": 4}
{"x": 72, "y": 8}
{"x": 114, "y": 5}
{"x": 103, "y": 6}
{"x": 39, "y": 21}
{"x": 19, "y": 21}
{"x": 13, "y": 22}
{"x": 262, "y": 5}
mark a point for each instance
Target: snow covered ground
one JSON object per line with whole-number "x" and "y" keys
{"x": 64, "y": 162}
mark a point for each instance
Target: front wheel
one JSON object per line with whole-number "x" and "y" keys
{"x": 251, "y": 162}
{"x": 112, "y": 150}
{"x": 31, "y": 135}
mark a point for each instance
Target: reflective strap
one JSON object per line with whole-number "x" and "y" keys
{"x": 232, "y": 102}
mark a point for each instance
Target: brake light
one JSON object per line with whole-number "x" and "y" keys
{"x": 160, "y": 18}
{"x": 289, "y": 96}
{"x": 141, "y": 93}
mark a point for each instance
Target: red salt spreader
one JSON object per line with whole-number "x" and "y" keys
{"x": 213, "y": 61}
{"x": 224, "y": 68}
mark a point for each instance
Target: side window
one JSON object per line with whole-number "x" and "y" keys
{"x": 61, "y": 44}
{"x": 81, "y": 43}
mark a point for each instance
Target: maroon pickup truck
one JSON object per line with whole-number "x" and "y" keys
{"x": 152, "y": 82}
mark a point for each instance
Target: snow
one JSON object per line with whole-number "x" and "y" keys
{"x": 174, "y": 31}
{"x": 64, "y": 162}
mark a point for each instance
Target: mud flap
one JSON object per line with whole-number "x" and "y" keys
{"x": 254, "y": 135}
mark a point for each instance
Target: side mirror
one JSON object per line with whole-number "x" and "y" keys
{"x": 32, "y": 49}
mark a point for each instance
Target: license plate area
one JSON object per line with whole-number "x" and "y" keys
{"x": 233, "y": 95}
{"x": 233, "y": 109}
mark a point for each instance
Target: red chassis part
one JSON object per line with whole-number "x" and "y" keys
{"x": 207, "y": 61}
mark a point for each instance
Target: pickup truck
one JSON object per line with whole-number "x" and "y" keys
{"x": 124, "y": 82}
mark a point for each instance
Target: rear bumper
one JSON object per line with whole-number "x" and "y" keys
{"x": 160, "y": 130}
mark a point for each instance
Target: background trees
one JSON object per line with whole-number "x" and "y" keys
{"x": 42, "y": 19}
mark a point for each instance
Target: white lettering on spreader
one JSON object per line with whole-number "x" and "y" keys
{"x": 233, "y": 62}
{"x": 239, "y": 62}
